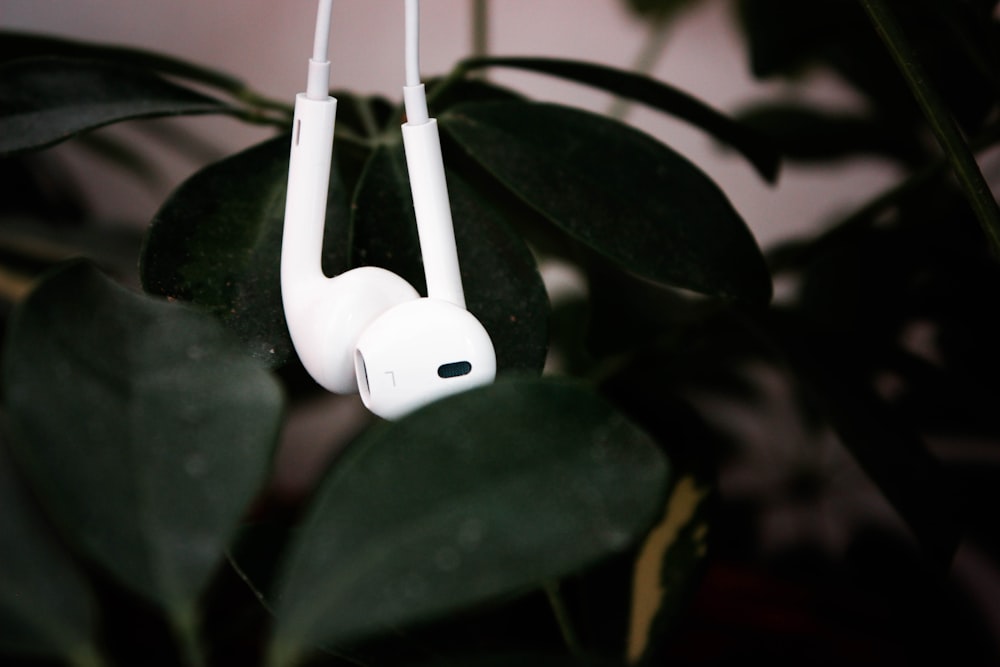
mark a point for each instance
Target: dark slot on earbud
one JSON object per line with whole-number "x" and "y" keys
{"x": 454, "y": 369}
{"x": 359, "y": 363}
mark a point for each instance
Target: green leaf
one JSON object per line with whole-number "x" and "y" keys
{"x": 480, "y": 495}
{"x": 458, "y": 91}
{"x": 619, "y": 191}
{"x": 789, "y": 38}
{"x": 940, "y": 118}
{"x": 141, "y": 427}
{"x": 512, "y": 659}
{"x": 665, "y": 570}
{"x": 46, "y": 605}
{"x": 644, "y": 89}
{"x": 217, "y": 242}
{"x": 32, "y": 246}
{"x": 47, "y": 100}
{"x": 502, "y": 285}
{"x": 17, "y": 45}
{"x": 782, "y": 36}
{"x": 814, "y": 134}
{"x": 658, "y": 10}
{"x": 921, "y": 489}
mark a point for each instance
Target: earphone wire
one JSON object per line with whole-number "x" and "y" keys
{"x": 414, "y": 96}
{"x": 321, "y": 43}
{"x": 318, "y": 86}
{"x": 412, "y": 42}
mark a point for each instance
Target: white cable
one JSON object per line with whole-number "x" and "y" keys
{"x": 414, "y": 98}
{"x": 412, "y": 42}
{"x": 318, "y": 86}
{"x": 321, "y": 43}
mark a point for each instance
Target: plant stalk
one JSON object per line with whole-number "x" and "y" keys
{"x": 563, "y": 619}
{"x": 86, "y": 656}
{"x": 480, "y": 28}
{"x": 942, "y": 123}
{"x": 184, "y": 623}
{"x": 645, "y": 62}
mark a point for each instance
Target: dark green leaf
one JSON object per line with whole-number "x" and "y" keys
{"x": 813, "y": 134}
{"x": 512, "y": 660}
{"x": 31, "y": 247}
{"x": 891, "y": 453}
{"x": 217, "y": 242}
{"x": 502, "y": 285}
{"x": 486, "y": 493}
{"x": 658, "y": 10}
{"x": 141, "y": 426}
{"x": 46, "y": 605}
{"x": 657, "y": 95}
{"x": 47, "y": 100}
{"x": 466, "y": 90}
{"x": 618, "y": 191}
{"x": 665, "y": 571}
{"x": 787, "y": 38}
{"x": 17, "y": 45}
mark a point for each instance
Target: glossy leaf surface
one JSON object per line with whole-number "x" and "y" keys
{"x": 619, "y": 191}
{"x": 47, "y": 100}
{"x": 143, "y": 429}
{"x": 217, "y": 243}
{"x": 46, "y": 605}
{"x": 486, "y": 493}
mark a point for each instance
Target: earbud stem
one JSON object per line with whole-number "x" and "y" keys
{"x": 305, "y": 203}
{"x": 433, "y": 211}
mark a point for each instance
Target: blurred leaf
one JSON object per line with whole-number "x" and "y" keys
{"x": 784, "y": 35}
{"x": 973, "y": 27}
{"x": 47, "y": 100}
{"x": 502, "y": 285}
{"x": 924, "y": 269}
{"x": 41, "y": 186}
{"x": 658, "y": 10}
{"x": 939, "y": 116}
{"x": 125, "y": 155}
{"x": 658, "y": 95}
{"x": 786, "y": 38}
{"x": 509, "y": 659}
{"x": 16, "y": 45}
{"x": 38, "y": 246}
{"x": 618, "y": 191}
{"x": 217, "y": 243}
{"x": 812, "y": 134}
{"x": 46, "y": 605}
{"x": 665, "y": 571}
{"x": 890, "y": 452}
{"x": 142, "y": 428}
{"x": 483, "y": 494}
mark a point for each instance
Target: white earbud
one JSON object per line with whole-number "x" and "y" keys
{"x": 367, "y": 329}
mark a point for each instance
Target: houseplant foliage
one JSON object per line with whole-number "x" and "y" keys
{"x": 571, "y": 517}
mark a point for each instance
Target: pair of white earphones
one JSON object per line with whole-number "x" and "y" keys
{"x": 368, "y": 330}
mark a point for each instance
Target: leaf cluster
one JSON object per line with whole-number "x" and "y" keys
{"x": 568, "y": 514}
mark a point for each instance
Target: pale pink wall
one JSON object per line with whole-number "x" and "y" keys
{"x": 266, "y": 42}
